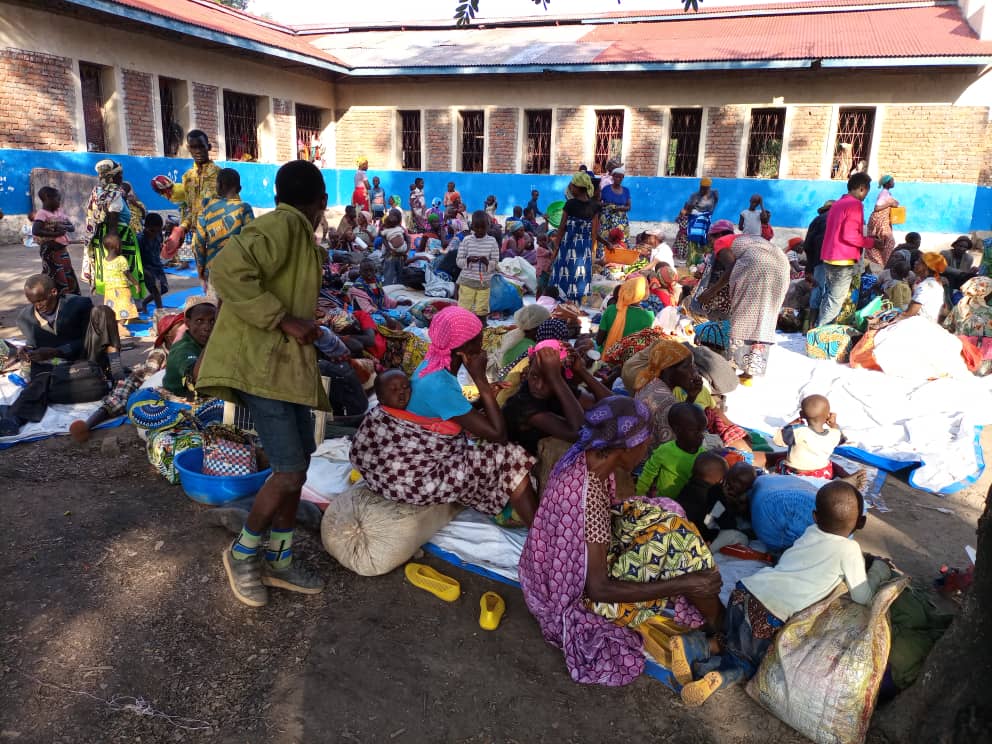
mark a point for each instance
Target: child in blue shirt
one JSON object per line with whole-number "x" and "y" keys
{"x": 150, "y": 245}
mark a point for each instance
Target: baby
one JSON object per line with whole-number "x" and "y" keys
{"x": 703, "y": 491}
{"x": 811, "y": 439}
{"x": 823, "y": 557}
{"x": 670, "y": 465}
{"x": 393, "y": 390}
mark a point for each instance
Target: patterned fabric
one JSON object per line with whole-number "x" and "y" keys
{"x": 751, "y": 357}
{"x": 758, "y": 285}
{"x": 164, "y": 445}
{"x": 423, "y": 312}
{"x": 117, "y": 289}
{"x": 57, "y": 264}
{"x": 827, "y": 473}
{"x": 718, "y": 308}
{"x": 972, "y": 316}
{"x": 572, "y": 269}
{"x": 404, "y": 350}
{"x": 407, "y": 463}
{"x": 219, "y": 220}
{"x": 681, "y": 245}
{"x": 597, "y": 512}
{"x": 450, "y": 328}
{"x": 226, "y": 451}
{"x": 717, "y": 423}
{"x": 625, "y": 348}
{"x": 611, "y": 217}
{"x": 880, "y": 226}
{"x": 114, "y": 403}
{"x": 651, "y": 543}
{"x": 658, "y": 397}
{"x": 833, "y": 341}
{"x": 200, "y": 186}
{"x": 714, "y": 333}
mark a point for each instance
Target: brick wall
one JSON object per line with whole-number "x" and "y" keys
{"x": 502, "y": 140}
{"x": 285, "y": 119}
{"x": 205, "y": 111}
{"x": 139, "y": 113}
{"x": 367, "y": 133}
{"x": 985, "y": 175}
{"x": 724, "y": 131}
{"x": 37, "y": 101}
{"x": 569, "y": 148}
{"x": 807, "y": 141}
{"x": 932, "y": 143}
{"x": 645, "y": 142}
{"x": 437, "y": 127}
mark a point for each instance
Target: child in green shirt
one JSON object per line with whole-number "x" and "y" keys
{"x": 670, "y": 466}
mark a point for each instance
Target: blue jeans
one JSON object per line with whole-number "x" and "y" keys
{"x": 816, "y": 296}
{"x": 837, "y": 289}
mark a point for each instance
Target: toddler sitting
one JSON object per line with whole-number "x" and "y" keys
{"x": 761, "y": 604}
{"x": 811, "y": 439}
{"x": 670, "y": 465}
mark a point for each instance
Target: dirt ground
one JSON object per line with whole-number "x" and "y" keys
{"x": 118, "y": 625}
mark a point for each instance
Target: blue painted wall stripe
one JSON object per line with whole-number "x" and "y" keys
{"x": 931, "y": 207}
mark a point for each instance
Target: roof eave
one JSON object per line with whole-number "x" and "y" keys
{"x": 201, "y": 32}
{"x": 935, "y": 61}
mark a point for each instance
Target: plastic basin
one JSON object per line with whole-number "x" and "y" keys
{"x": 215, "y": 489}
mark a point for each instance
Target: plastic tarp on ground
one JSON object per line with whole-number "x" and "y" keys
{"x": 890, "y": 422}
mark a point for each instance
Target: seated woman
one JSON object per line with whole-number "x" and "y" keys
{"x": 972, "y": 318}
{"x": 928, "y": 296}
{"x": 712, "y": 294}
{"x": 512, "y": 374}
{"x": 368, "y": 294}
{"x": 588, "y": 584}
{"x": 184, "y": 357}
{"x": 665, "y": 374}
{"x": 626, "y": 317}
{"x": 411, "y": 463}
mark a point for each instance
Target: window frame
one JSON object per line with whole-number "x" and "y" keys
{"x": 250, "y": 103}
{"x": 411, "y": 137}
{"x": 93, "y": 73}
{"x": 867, "y": 134}
{"x": 756, "y": 150}
{"x": 533, "y": 152}
{"x": 670, "y": 156}
{"x": 477, "y": 135}
{"x": 602, "y": 154}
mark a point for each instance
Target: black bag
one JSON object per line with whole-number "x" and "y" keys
{"x": 79, "y": 382}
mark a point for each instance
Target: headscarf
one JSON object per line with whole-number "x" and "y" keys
{"x": 107, "y": 169}
{"x": 616, "y": 235}
{"x": 668, "y": 276}
{"x": 512, "y": 226}
{"x": 975, "y": 290}
{"x": 661, "y": 355}
{"x": 617, "y": 422}
{"x": 721, "y": 227}
{"x": 632, "y": 291}
{"x": 705, "y": 181}
{"x": 886, "y": 181}
{"x": 360, "y": 161}
{"x": 793, "y": 242}
{"x": 935, "y": 262}
{"x": 581, "y": 180}
{"x": 618, "y": 171}
{"x": 450, "y": 328}
{"x": 526, "y": 319}
{"x": 552, "y": 329}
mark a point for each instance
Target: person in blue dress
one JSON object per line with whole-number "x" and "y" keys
{"x": 616, "y": 205}
{"x": 571, "y": 268}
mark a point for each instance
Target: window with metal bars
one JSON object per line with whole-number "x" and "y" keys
{"x": 308, "y": 144}
{"x": 538, "y": 142}
{"x": 172, "y": 130}
{"x": 764, "y": 147}
{"x": 473, "y": 140}
{"x": 609, "y": 138}
{"x": 853, "y": 143}
{"x": 683, "y": 142}
{"x": 241, "y": 126}
{"x": 92, "y": 88}
{"x": 410, "y": 140}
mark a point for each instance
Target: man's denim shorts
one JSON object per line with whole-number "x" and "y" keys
{"x": 285, "y": 430}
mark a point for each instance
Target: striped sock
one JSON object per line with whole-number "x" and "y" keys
{"x": 280, "y": 551}
{"x": 247, "y": 544}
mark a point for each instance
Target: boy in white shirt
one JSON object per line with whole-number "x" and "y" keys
{"x": 811, "y": 440}
{"x": 806, "y": 573}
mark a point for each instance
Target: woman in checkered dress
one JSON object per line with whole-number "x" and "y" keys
{"x": 404, "y": 455}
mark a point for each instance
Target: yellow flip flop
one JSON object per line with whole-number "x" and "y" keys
{"x": 426, "y": 578}
{"x": 491, "y": 612}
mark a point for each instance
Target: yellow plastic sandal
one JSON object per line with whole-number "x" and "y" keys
{"x": 491, "y": 612}
{"x": 680, "y": 665}
{"x": 696, "y": 693}
{"x": 426, "y": 578}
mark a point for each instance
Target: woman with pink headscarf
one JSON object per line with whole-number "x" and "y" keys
{"x": 412, "y": 459}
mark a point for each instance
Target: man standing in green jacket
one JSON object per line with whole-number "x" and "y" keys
{"x": 261, "y": 354}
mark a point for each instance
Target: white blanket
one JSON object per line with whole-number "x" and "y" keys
{"x": 901, "y": 419}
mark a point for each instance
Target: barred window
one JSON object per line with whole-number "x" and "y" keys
{"x": 172, "y": 130}
{"x": 538, "y": 142}
{"x": 410, "y": 140}
{"x": 764, "y": 149}
{"x": 609, "y": 138}
{"x": 308, "y": 146}
{"x": 683, "y": 142}
{"x": 473, "y": 140}
{"x": 90, "y": 77}
{"x": 241, "y": 126}
{"x": 853, "y": 143}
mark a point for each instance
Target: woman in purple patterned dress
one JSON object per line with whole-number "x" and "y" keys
{"x": 589, "y": 583}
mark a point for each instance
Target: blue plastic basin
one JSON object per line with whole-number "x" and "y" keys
{"x": 215, "y": 489}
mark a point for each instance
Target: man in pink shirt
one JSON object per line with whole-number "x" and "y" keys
{"x": 843, "y": 242}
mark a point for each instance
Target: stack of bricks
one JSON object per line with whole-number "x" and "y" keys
{"x": 808, "y": 133}
{"x": 205, "y": 110}
{"x": 364, "y": 133}
{"x": 37, "y": 101}
{"x": 502, "y": 140}
{"x": 284, "y": 114}
{"x": 723, "y": 141}
{"x": 928, "y": 143}
{"x": 139, "y": 113}
{"x": 569, "y": 150}
{"x": 438, "y": 129}
{"x": 646, "y": 126}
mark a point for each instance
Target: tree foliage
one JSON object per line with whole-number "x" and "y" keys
{"x": 466, "y": 10}
{"x": 237, "y": 4}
